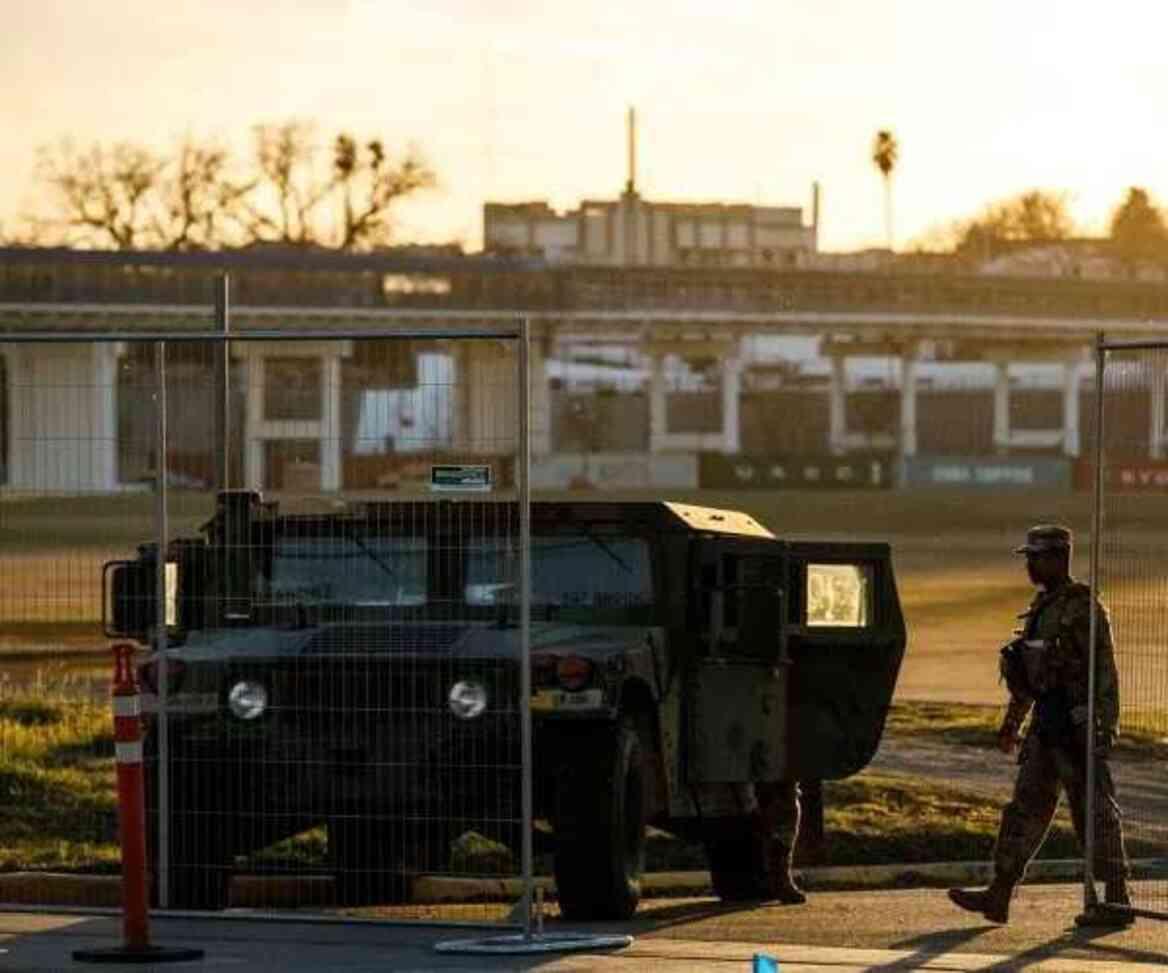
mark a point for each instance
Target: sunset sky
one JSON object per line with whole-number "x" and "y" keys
{"x": 519, "y": 99}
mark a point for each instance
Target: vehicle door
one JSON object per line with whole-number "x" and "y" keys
{"x": 737, "y": 682}
{"x": 845, "y": 639}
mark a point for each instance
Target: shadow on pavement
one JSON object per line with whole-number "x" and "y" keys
{"x": 932, "y": 945}
{"x": 1072, "y": 941}
{"x": 653, "y": 919}
{"x": 1083, "y": 941}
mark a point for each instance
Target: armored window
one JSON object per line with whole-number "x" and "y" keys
{"x": 838, "y": 595}
{"x": 378, "y": 571}
{"x": 567, "y": 570}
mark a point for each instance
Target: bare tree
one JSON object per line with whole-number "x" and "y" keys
{"x": 199, "y": 198}
{"x": 288, "y": 187}
{"x": 297, "y": 201}
{"x": 885, "y": 155}
{"x": 369, "y": 184}
{"x": 128, "y": 196}
{"x": 103, "y": 195}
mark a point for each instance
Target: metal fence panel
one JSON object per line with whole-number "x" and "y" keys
{"x": 72, "y": 501}
{"x": 1130, "y": 577}
{"x": 337, "y": 718}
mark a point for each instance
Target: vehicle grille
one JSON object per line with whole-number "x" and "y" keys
{"x": 343, "y": 690}
{"x": 416, "y": 637}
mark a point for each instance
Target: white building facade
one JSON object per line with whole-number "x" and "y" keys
{"x": 633, "y": 231}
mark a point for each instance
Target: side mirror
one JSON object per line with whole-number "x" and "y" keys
{"x": 129, "y": 596}
{"x": 128, "y": 603}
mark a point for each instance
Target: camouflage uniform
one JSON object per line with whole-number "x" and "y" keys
{"x": 762, "y": 851}
{"x": 1048, "y": 673}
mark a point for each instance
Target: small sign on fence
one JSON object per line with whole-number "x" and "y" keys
{"x": 473, "y": 478}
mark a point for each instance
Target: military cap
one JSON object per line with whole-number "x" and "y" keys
{"x": 1045, "y": 538}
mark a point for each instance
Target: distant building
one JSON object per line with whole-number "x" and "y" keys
{"x": 1089, "y": 258}
{"x": 632, "y": 231}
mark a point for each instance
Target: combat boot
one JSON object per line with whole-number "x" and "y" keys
{"x": 992, "y": 902}
{"x": 1115, "y": 894}
{"x": 782, "y": 882}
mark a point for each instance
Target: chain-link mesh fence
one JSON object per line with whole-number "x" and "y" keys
{"x": 336, "y": 717}
{"x": 944, "y": 442}
{"x": 1131, "y": 582}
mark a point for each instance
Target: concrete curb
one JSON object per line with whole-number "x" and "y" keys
{"x": 256, "y": 891}
{"x": 441, "y": 889}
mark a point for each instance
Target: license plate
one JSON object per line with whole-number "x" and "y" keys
{"x": 548, "y": 699}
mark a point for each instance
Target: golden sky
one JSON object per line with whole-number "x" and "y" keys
{"x": 525, "y": 99}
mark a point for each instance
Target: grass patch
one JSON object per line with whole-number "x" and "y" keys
{"x": 977, "y": 726}
{"x": 57, "y": 805}
{"x": 955, "y": 723}
{"x": 307, "y": 850}
{"x": 875, "y": 820}
{"x": 57, "y": 794}
{"x": 62, "y": 636}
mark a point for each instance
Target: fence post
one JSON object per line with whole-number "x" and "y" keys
{"x": 223, "y": 383}
{"x": 160, "y": 634}
{"x": 1090, "y": 900}
{"x": 522, "y": 481}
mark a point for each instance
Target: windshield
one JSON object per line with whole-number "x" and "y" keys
{"x": 383, "y": 571}
{"x": 567, "y": 570}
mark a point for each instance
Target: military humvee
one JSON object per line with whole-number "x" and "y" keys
{"x": 337, "y": 668}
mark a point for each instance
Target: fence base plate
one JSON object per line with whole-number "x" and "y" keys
{"x": 516, "y": 944}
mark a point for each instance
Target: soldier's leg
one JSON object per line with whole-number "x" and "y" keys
{"x": 810, "y": 847}
{"x": 779, "y": 819}
{"x": 1111, "y": 861}
{"x": 1027, "y": 818}
{"x": 735, "y": 843}
{"x": 1025, "y": 821}
{"x": 1111, "y": 864}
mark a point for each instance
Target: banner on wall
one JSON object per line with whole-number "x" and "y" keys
{"x": 1148, "y": 476}
{"x": 720, "y": 471}
{"x": 987, "y": 472}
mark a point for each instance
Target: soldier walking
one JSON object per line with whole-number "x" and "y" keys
{"x": 1046, "y": 670}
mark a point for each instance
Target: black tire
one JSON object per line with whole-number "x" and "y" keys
{"x": 600, "y": 827}
{"x": 737, "y": 864}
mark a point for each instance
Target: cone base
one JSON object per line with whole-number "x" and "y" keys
{"x": 137, "y": 954}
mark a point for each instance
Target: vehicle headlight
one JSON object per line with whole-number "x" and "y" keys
{"x": 247, "y": 699}
{"x": 467, "y": 699}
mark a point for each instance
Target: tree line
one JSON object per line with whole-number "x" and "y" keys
{"x": 291, "y": 188}
{"x": 1137, "y": 232}
{"x": 294, "y": 188}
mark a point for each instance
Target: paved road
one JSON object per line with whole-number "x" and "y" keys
{"x": 838, "y": 932}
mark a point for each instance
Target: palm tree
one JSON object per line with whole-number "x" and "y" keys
{"x": 885, "y": 152}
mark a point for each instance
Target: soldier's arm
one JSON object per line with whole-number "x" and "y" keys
{"x": 1106, "y": 672}
{"x": 1010, "y": 731}
{"x": 1106, "y": 677}
{"x": 1013, "y": 674}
